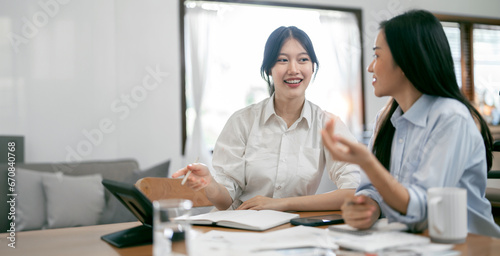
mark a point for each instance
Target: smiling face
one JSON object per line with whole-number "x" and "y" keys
{"x": 292, "y": 71}
{"x": 388, "y": 78}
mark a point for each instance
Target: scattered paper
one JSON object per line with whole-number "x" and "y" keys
{"x": 263, "y": 244}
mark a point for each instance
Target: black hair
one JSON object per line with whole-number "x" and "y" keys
{"x": 420, "y": 48}
{"x": 273, "y": 47}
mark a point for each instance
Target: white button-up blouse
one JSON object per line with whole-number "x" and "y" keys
{"x": 257, "y": 154}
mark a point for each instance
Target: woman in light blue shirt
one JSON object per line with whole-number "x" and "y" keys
{"x": 428, "y": 135}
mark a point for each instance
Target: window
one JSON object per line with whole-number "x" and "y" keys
{"x": 475, "y": 46}
{"x": 223, "y": 46}
{"x": 486, "y": 42}
{"x": 452, "y": 31}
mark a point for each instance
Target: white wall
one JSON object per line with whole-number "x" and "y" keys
{"x": 85, "y": 80}
{"x": 76, "y": 62}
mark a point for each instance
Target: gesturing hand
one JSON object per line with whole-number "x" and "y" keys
{"x": 199, "y": 178}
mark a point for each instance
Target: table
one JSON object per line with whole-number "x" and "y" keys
{"x": 87, "y": 241}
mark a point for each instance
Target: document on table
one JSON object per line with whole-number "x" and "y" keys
{"x": 242, "y": 243}
{"x": 387, "y": 237}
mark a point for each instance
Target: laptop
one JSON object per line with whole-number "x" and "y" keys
{"x": 139, "y": 205}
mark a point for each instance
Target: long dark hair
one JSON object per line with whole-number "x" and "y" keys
{"x": 420, "y": 48}
{"x": 273, "y": 47}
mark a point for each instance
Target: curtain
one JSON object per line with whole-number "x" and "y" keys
{"x": 343, "y": 35}
{"x": 197, "y": 32}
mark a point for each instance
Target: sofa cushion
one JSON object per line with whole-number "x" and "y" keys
{"x": 31, "y": 209}
{"x": 118, "y": 170}
{"x": 73, "y": 201}
{"x": 111, "y": 169}
{"x": 124, "y": 170}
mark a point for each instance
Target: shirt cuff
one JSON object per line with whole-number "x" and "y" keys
{"x": 228, "y": 183}
{"x": 350, "y": 179}
{"x": 415, "y": 212}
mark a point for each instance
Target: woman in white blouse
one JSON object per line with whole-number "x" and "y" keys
{"x": 270, "y": 154}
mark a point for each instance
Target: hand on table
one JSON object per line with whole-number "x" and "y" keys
{"x": 360, "y": 211}
{"x": 262, "y": 203}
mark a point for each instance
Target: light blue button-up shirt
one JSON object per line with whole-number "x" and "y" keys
{"x": 437, "y": 144}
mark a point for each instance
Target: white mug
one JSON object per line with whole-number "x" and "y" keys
{"x": 447, "y": 214}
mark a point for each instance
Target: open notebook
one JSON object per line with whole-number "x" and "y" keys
{"x": 244, "y": 219}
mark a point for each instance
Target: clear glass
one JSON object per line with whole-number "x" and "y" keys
{"x": 170, "y": 224}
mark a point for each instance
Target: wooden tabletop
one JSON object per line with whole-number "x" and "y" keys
{"x": 87, "y": 241}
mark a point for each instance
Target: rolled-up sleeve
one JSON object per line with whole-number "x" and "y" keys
{"x": 367, "y": 189}
{"x": 228, "y": 157}
{"x": 344, "y": 175}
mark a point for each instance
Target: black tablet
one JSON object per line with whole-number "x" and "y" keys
{"x": 137, "y": 203}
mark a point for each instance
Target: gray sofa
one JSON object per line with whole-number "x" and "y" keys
{"x": 56, "y": 195}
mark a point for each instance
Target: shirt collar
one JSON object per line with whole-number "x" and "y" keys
{"x": 269, "y": 108}
{"x": 306, "y": 112}
{"x": 418, "y": 112}
{"x": 269, "y": 111}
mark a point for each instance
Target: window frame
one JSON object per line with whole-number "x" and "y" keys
{"x": 182, "y": 11}
{"x": 466, "y": 25}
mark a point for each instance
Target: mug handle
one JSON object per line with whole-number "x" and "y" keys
{"x": 437, "y": 223}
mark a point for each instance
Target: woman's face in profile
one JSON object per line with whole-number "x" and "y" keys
{"x": 292, "y": 71}
{"x": 388, "y": 77}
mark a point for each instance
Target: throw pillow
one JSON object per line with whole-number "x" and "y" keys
{"x": 73, "y": 200}
{"x": 31, "y": 209}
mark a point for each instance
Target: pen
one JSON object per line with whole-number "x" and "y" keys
{"x": 187, "y": 174}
